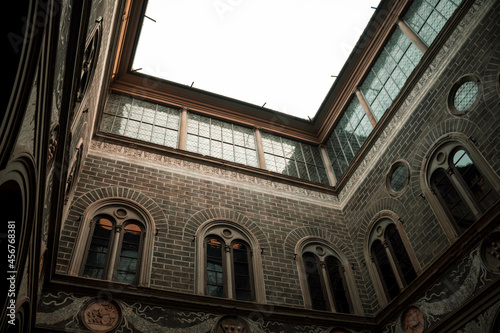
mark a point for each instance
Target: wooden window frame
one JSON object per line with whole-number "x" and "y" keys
{"x": 139, "y": 251}
{"x": 116, "y": 243}
{"x": 313, "y": 245}
{"x": 136, "y": 214}
{"x": 229, "y": 232}
{"x": 377, "y": 232}
{"x": 439, "y": 157}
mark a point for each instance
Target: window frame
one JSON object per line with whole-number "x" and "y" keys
{"x": 229, "y": 232}
{"x": 309, "y": 245}
{"x": 136, "y": 214}
{"x": 378, "y": 233}
{"x": 439, "y": 157}
{"x": 120, "y": 246}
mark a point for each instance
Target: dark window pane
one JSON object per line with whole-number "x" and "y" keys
{"x": 385, "y": 270}
{"x": 127, "y": 262}
{"x": 458, "y": 209}
{"x": 399, "y": 178}
{"x": 402, "y": 258}
{"x": 311, "y": 265}
{"x": 338, "y": 284}
{"x": 215, "y": 278}
{"x": 98, "y": 250}
{"x": 241, "y": 269}
{"x": 479, "y": 186}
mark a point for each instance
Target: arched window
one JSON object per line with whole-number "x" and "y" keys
{"x": 114, "y": 250}
{"x": 227, "y": 263}
{"x": 461, "y": 186}
{"x": 228, "y": 269}
{"x": 325, "y": 279}
{"x": 115, "y": 244}
{"x": 392, "y": 266}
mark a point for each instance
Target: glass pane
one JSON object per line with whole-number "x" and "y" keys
{"x": 241, "y": 269}
{"x": 458, "y": 209}
{"x": 311, "y": 266}
{"x": 215, "y": 277}
{"x": 481, "y": 189}
{"x": 338, "y": 285}
{"x": 98, "y": 249}
{"x": 402, "y": 258}
{"x": 399, "y": 178}
{"x": 465, "y": 96}
{"x": 127, "y": 262}
{"x": 385, "y": 270}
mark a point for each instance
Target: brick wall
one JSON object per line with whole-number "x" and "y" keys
{"x": 182, "y": 195}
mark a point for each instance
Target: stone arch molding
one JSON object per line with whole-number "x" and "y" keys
{"x": 453, "y": 128}
{"x": 87, "y": 204}
{"x": 203, "y": 222}
{"x": 383, "y": 218}
{"x": 80, "y": 205}
{"x": 305, "y": 234}
{"x": 211, "y": 215}
{"x": 384, "y": 207}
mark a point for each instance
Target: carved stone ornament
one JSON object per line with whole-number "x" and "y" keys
{"x": 231, "y": 325}
{"x": 101, "y": 315}
{"x": 490, "y": 252}
{"x": 413, "y": 320}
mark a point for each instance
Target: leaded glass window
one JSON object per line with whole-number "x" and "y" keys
{"x": 479, "y": 187}
{"x": 398, "y": 177}
{"x": 452, "y": 200}
{"x": 97, "y": 256}
{"x": 460, "y": 186}
{"x": 324, "y": 279}
{"x": 348, "y": 137}
{"x": 391, "y": 263}
{"x": 338, "y": 285}
{"x": 129, "y": 254}
{"x": 215, "y": 273}
{"x": 465, "y": 96}
{"x": 230, "y": 142}
{"x": 228, "y": 268}
{"x": 314, "y": 282}
{"x": 100, "y": 260}
{"x": 396, "y": 62}
{"x": 385, "y": 270}
{"x": 141, "y": 120}
{"x": 242, "y": 271}
{"x": 398, "y": 250}
{"x": 293, "y": 158}
{"x": 428, "y": 17}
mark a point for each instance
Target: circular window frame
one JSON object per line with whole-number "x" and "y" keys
{"x": 389, "y": 174}
{"x": 454, "y": 88}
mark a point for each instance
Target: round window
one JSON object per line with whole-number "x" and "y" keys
{"x": 465, "y": 96}
{"x": 397, "y": 178}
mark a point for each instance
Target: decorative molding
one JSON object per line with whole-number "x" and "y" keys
{"x": 217, "y": 174}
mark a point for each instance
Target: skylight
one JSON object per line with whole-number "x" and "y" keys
{"x": 280, "y": 54}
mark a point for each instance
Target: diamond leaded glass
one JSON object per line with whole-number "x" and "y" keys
{"x": 141, "y": 120}
{"x": 465, "y": 96}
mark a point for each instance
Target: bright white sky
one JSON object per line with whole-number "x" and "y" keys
{"x": 279, "y": 52}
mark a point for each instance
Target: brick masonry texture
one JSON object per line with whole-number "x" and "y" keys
{"x": 180, "y": 202}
